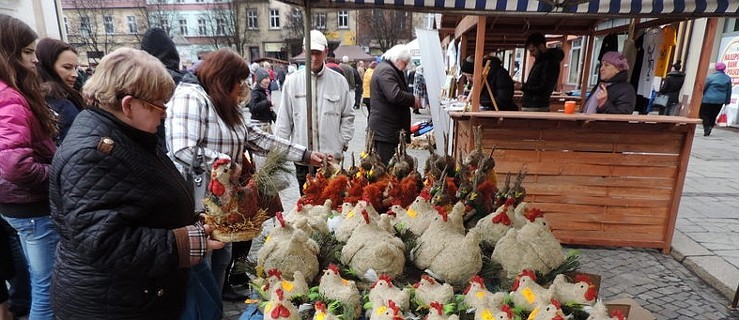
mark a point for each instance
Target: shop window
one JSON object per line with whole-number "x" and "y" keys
{"x": 574, "y": 64}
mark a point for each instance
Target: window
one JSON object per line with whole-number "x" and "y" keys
{"x": 274, "y": 18}
{"x": 85, "y": 26}
{"x": 108, "y": 22}
{"x": 183, "y": 27}
{"x": 202, "y": 27}
{"x": 575, "y": 57}
{"x": 429, "y": 21}
{"x": 220, "y": 26}
{"x": 164, "y": 24}
{"x": 254, "y": 53}
{"x": 731, "y": 25}
{"x": 319, "y": 21}
{"x": 66, "y": 25}
{"x": 132, "y": 27}
{"x": 343, "y": 19}
{"x": 251, "y": 19}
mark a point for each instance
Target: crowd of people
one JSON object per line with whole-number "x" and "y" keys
{"x": 97, "y": 219}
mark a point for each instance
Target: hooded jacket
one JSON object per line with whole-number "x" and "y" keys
{"x": 25, "y": 158}
{"x": 542, "y": 79}
{"x": 158, "y": 43}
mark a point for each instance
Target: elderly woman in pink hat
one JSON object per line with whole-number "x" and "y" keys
{"x": 716, "y": 93}
{"x": 614, "y": 93}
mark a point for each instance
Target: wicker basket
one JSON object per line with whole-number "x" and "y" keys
{"x": 244, "y": 231}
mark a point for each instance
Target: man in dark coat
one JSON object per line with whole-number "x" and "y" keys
{"x": 391, "y": 101}
{"x": 543, "y": 75}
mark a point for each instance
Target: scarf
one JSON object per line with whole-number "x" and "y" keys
{"x": 591, "y": 106}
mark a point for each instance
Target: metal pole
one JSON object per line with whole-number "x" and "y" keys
{"x": 308, "y": 78}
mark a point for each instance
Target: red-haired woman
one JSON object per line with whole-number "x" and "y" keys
{"x": 205, "y": 111}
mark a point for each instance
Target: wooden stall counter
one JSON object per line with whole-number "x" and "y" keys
{"x": 600, "y": 179}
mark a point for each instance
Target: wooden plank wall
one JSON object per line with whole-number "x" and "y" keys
{"x": 598, "y": 183}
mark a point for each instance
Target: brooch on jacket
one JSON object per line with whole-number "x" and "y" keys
{"x": 106, "y": 145}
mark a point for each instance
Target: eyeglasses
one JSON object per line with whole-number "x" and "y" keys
{"x": 244, "y": 83}
{"x": 161, "y": 108}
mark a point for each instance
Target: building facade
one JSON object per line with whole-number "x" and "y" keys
{"x": 41, "y": 15}
{"x": 255, "y": 29}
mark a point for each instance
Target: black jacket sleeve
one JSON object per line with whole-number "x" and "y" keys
{"x": 621, "y": 99}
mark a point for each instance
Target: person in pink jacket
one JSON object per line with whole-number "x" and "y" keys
{"x": 27, "y": 131}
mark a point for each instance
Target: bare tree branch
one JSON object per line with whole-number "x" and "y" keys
{"x": 87, "y": 28}
{"x": 386, "y": 27}
{"x": 294, "y": 27}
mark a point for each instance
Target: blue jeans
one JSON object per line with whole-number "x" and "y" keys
{"x": 39, "y": 238}
{"x": 218, "y": 262}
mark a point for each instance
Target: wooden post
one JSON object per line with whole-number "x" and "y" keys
{"x": 479, "y": 51}
{"x": 703, "y": 62}
{"x": 586, "y": 70}
{"x": 308, "y": 76}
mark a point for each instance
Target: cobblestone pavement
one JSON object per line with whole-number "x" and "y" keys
{"x": 656, "y": 281}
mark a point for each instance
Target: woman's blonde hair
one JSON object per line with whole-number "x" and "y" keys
{"x": 127, "y": 71}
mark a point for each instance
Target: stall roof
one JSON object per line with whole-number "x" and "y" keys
{"x": 271, "y": 60}
{"x": 508, "y": 32}
{"x": 612, "y": 8}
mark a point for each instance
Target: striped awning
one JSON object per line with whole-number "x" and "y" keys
{"x": 642, "y": 8}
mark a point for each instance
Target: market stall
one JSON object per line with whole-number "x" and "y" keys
{"x": 611, "y": 180}
{"x": 601, "y": 204}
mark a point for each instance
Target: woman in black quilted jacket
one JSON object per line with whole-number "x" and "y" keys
{"x": 128, "y": 230}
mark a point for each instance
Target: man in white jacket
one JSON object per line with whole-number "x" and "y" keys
{"x": 331, "y": 126}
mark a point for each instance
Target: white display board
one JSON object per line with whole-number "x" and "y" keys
{"x": 434, "y": 73}
{"x": 728, "y": 53}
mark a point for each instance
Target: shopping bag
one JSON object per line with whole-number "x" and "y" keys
{"x": 723, "y": 117}
{"x": 660, "y": 100}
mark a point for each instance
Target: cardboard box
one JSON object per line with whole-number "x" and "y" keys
{"x": 636, "y": 312}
